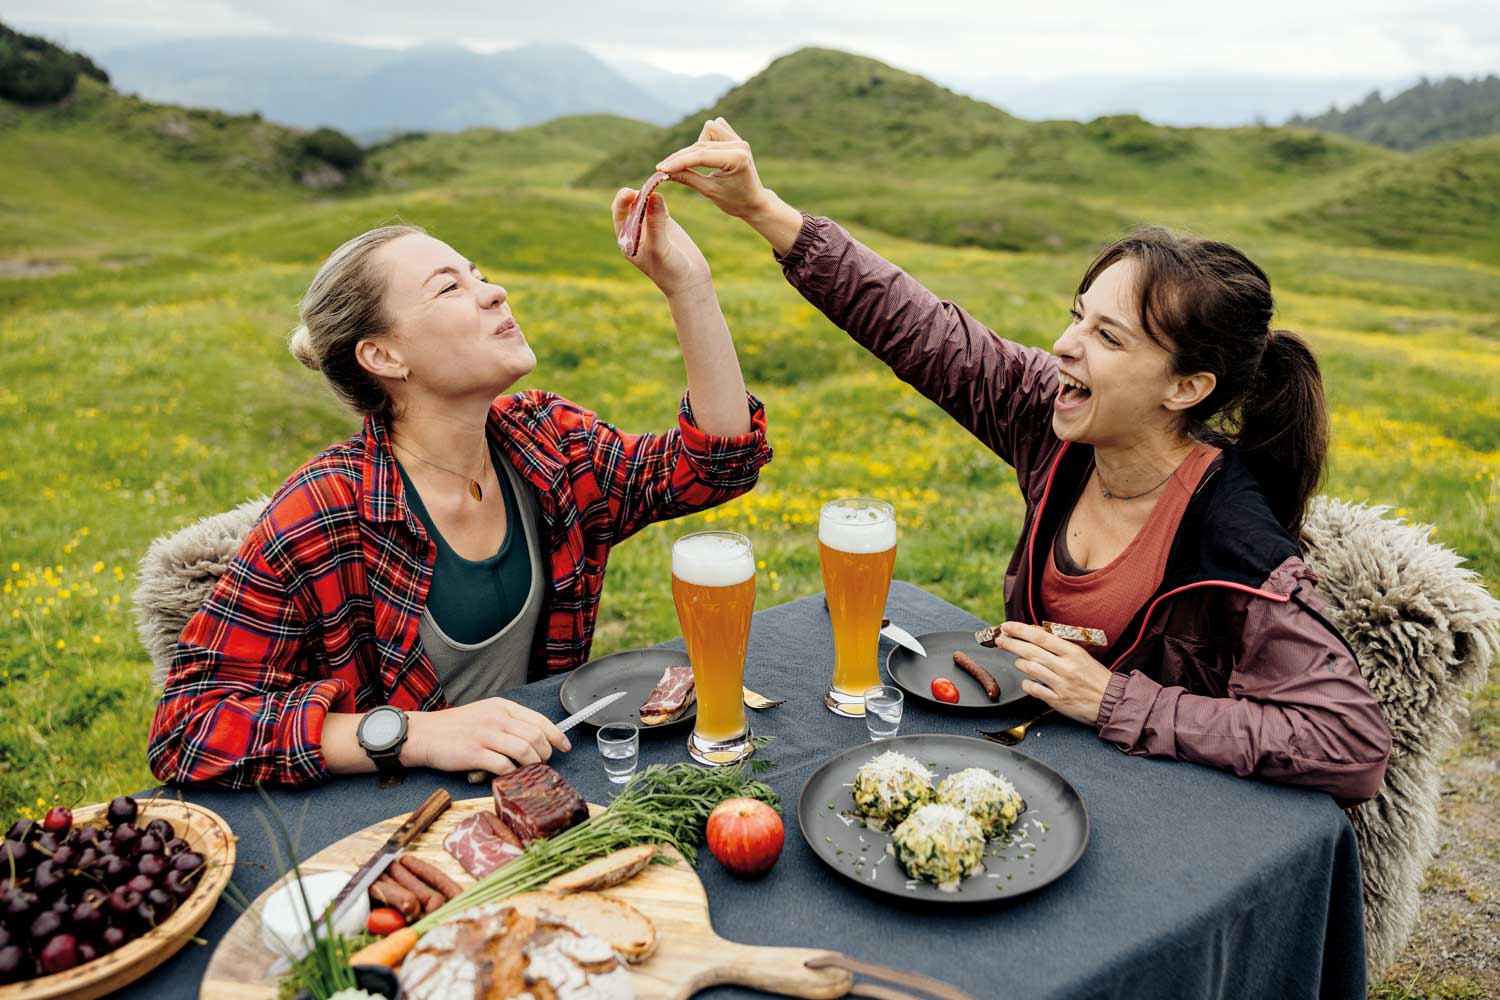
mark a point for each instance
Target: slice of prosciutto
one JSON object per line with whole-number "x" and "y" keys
{"x": 670, "y": 698}
{"x": 482, "y": 843}
{"x": 630, "y": 234}
{"x": 536, "y": 801}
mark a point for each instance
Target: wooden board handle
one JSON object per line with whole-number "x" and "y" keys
{"x": 418, "y": 822}
{"x": 780, "y": 970}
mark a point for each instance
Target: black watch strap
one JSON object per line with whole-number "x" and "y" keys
{"x": 388, "y": 767}
{"x": 387, "y": 752}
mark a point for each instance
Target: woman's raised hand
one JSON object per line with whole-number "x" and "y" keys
{"x": 492, "y": 735}
{"x": 734, "y": 186}
{"x": 667, "y": 254}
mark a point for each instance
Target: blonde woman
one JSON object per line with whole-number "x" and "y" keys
{"x": 453, "y": 548}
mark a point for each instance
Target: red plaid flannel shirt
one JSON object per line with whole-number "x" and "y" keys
{"x": 318, "y": 612}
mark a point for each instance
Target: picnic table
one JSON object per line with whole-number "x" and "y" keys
{"x": 1195, "y": 883}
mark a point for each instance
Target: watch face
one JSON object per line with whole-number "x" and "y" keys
{"x": 380, "y": 728}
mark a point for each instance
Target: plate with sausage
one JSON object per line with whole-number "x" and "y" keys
{"x": 980, "y": 678}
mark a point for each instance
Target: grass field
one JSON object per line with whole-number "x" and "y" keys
{"x": 151, "y": 385}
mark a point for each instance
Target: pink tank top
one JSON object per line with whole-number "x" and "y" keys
{"x": 1109, "y": 597}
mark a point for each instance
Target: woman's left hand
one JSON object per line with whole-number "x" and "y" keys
{"x": 1059, "y": 672}
{"x": 668, "y": 255}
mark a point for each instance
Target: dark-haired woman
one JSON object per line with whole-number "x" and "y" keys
{"x": 1167, "y": 449}
{"x": 453, "y": 548}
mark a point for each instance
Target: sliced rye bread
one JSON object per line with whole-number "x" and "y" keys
{"x": 629, "y": 931}
{"x": 602, "y": 873}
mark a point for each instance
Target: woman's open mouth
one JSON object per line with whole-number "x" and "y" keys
{"x": 1072, "y": 393}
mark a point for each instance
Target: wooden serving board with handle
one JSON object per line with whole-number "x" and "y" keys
{"x": 689, "y": 956}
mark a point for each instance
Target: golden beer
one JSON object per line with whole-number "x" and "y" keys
{"x": 857, "y": 552}
{"x": 713, "y": 586}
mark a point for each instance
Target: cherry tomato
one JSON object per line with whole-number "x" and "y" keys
{"x": 945, "y": 690}
{"x": 384, "y": 920}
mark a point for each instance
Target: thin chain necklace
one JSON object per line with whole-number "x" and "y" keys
{"x": 1110, "y": 495}
{"x": 474, "y": 489}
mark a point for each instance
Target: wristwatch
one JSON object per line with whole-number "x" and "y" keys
{"x": 382, "y": 731}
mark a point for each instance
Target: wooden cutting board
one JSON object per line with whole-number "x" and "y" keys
{"x": 689, "y": 956}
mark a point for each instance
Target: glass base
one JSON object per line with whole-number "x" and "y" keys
{"x": 717, "y": 753}
{"x": 850, "y": 706}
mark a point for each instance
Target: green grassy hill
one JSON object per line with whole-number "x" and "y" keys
{"x": 1443, "y": 200}
{"x": 854, "y": 137}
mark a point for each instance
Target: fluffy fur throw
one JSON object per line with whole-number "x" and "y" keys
{"x": 1425, "y": 631}
{"x": 177, "y": 573}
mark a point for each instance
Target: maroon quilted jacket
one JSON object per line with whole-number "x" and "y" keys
{"x": 1232, "y": 662}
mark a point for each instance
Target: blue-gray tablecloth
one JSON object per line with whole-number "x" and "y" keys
{"x": 1195, "y": 883}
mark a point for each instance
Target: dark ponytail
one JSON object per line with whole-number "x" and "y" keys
{"x": 1283, "y": 427}
{"x": 1211, "y": 307}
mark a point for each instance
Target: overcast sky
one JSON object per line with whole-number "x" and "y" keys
{"x": 944, "y": 38}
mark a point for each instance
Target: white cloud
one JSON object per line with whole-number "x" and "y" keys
{"x": 942, "y": 38}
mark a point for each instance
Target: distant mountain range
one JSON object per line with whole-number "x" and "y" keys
{"x": 372, "y": 92}
{"x": 1429, "y": 113}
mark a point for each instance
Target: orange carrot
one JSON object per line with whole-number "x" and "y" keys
{"x": 388, "y": 951}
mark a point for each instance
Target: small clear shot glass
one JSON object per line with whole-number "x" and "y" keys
{"x": 883, "y": 705}
{"x": 620, "y": 746}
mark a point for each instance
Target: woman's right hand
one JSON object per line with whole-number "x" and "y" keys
{"x": 493, "y": 735}
{"x": 734, "y": 186}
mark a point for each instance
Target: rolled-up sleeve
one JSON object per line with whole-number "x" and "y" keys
{"x": 656, "y": 477}
{"x": 236, "y": 709}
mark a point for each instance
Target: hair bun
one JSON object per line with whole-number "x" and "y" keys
{"x": 301, "y": 346}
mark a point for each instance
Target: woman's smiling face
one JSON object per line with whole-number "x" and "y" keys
{"x": 1117, "y": 383}
{"x": 449, "y": 326}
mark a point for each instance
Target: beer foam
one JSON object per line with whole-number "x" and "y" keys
{"x": 712, "y": 560}
{"x": 852, "y": 529}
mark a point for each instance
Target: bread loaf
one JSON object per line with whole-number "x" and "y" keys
{"x": 496, "y": 952}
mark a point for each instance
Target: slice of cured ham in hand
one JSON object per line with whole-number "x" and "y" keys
{"x": 635, "y": 222}
{"x": 482, "y": 843}
{"x": 670, "y": 698}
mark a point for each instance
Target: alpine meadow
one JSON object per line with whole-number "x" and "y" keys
{"x": 153, "y": 258}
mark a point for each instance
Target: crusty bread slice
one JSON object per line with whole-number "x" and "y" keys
{"x": 628, "y": 931}
{"x": 612, "y": 869}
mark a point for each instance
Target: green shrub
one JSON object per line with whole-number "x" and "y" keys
{"x": 333, "y": 147}
{"x": 33, "y": 71}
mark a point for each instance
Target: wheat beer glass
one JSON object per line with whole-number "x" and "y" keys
{"x": 857, "y": 549}
{"x": 713, "y": 586}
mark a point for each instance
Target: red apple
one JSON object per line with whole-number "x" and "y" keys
{"x": 746, "y": 836}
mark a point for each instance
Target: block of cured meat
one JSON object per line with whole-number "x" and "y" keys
{"x": 482, "y": 843}
{"x": 536, "y": 801}
{"x": 670, "y": 698}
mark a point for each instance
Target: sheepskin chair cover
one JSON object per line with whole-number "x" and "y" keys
{"x": 1424, "y": 630}
{"x": 177, "y": 573}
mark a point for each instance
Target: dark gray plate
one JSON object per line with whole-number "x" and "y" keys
{"x": 634, "y": 671}
{"x": 1047, "y": 839}
{"x": 914, "y": 674}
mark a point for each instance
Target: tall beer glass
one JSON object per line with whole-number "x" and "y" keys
{"x": 713, "y": 586}
{"x": 857, "y": 549}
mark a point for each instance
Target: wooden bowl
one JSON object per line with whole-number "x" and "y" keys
{"x": 211, "y": 837}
